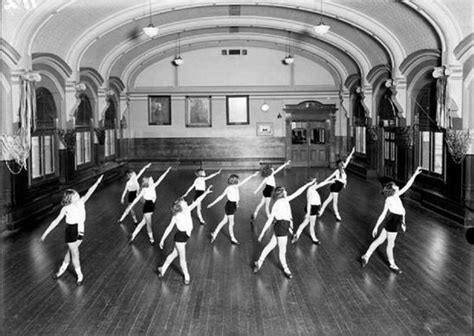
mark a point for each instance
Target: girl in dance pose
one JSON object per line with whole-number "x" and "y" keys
{"x": 393, "y": 216}
{"x": 148, "y": 193}
{"x": 184, "y": 225}
{"x": 200, "y": 186}
{"x": 281, "y": 213}
{"x": 132, "y": 187}
{"x": 75, "y": 212}
{"x": 312, "y": 207}
{"x": 341, "y": 181}
{"x": 233, "y": 197}
{"x": 269, "y": 181}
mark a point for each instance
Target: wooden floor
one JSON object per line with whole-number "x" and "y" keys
{"x": 330, "y": 294}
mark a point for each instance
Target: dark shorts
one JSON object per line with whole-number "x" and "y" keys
{"x": 131, "y": 196}
{"x": 336, "y": 186}
{"x": 393, "y": 222}
{"x": 71, "y": 234}
{"x": 267, "y": 192}
{"x": 230, "y": 208}
{"x": 181, "y": 237}
{"x": 313, "y": 211}
{"x": 198, "y": 193}
{"x": 281, "y": 228}
{"x": 149, "y": 206}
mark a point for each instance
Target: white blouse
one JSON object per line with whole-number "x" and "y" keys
{"x": 233, "y": 193}
{"x": 341, "y": 177}
{"x": 282, "y": 210}
{"x": 184, "y": 221}
{"x": 395, "y": 205}
{"x": 313, "y": 196}
{"x": 270, "y": 180}
{"x": 75, "y": 213}
{"x": 149, "y": 194}
{"x": 132, "y": 184}
{"x": 200, "y": 183}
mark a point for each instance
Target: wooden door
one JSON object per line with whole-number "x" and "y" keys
{"x": 309, "y": 145}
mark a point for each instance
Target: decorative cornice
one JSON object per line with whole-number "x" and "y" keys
{"x": 53, "y": 60}
{"x": 418, "y": 57}
{"x": 10, "y": 52}
{"x": 465, "y": 48}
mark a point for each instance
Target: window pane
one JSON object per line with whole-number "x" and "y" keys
{"x": 79, "y": 146}
{"x": 387, "y": 150}
{"x": 438, "y": 153}
{"x": 392, "y": 151}
{"x": 35, "y": 157}
{"x": 425, "y": 150}
{"x": 48, "y": 154}
{"x": 87, "y": 146}
{"x": 112, "y": 141}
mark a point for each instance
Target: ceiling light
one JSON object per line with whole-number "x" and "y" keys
{"x": 321, "y": 28}
{"x": 178, "y": 60}
{"x": 289, "y": 59}
{"x": 150, "y": 30}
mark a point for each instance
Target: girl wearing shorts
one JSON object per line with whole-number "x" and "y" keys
{"x": 269, "y": 181}
{"x": 148, "y": 193}
{"x": 313, "y": 205}
{"x": 281, "y": 214}
{"x": 184, "y": 225}
{"x": 132, "y": 188}
{"x": 233, "y": 197}
{"x": 75, "y": 212}
{"x": 200, "y": 186}
{"x": 393, "y": 217}
{"x": 340, "y": 182}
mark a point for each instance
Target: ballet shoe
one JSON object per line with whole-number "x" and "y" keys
{"x": 338, "y": 218}
{"x": 79, "y": 282}
{"x": 395, "y": 269}
{"x": 152, "y": 242}
{"x": 252, "y": 219}
{"x": 160, "y": 274}
{"x": 56, "y": 276}
{"x": 294, "y": 239}
{"x": 202, "y": 222}
{"x": 187, "y": 281}
{"x": 213, "y": 238}
{"x": 288, "y": 274}
{"x": 363, "y": 261}
{"x": 316, "y": 241}
{"x": 235, "y": 242}
{"x": 256, "y": 267}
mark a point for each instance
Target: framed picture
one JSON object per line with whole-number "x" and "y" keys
{"x": 198, "y": 111}
{"x": 264, "y": 128}
{"x": 159, "y": 110}
{"x": 237, "y": 110}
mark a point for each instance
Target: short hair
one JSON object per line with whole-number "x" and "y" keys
{"x": 198, "y": 171}
{"x": 278, "y": 192}
{"x": 145, "y": 182}
{"x": 339, "y": 161}
{"x": 176, "y": 207}
{"x": 388, "y": 189}
{"x": 130, "y": 172}
{"x": 233, "y": 179}
{"x": 67, "y": 196}
{"x": 266, "y": 170}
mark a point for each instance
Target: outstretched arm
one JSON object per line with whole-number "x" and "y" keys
{"x": 260, "y": 186}
{"x": 325, "y": 182}
{"x": 200, "y": 198}
{"x": 54, "y": 223}
{"x": 130, "y": 206}
{"x": 247, "y": 179}
{"x": 300, "y": 190}
{"x": 266, "y": 226}
{"x": 410, "y": 181}
{"x": 190, "y": 188}
{"x": 92, "y": 189}
{"x": 167, "y": 231}
{"x": 287, "y": 163}
{"x": 143, "y": 170}
{"x": 221, "y": 196}
{"x": 122, "y": 200}
{"x": 212, "y": 175}
{"x": 349, "y": 157}
{"x": 161, "y": 177}
{"x": 381, "y": 218}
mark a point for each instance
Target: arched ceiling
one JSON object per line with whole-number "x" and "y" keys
{"x": 106, "y": 35}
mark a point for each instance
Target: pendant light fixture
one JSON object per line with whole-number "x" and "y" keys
{"x": 321, "y": 28}
{"x": 150, "y": 30}
{"x": 289, "y": 59}
{"x": 178, "y": 60}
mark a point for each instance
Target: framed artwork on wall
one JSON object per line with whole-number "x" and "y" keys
{"x": 237, "y": 110}
{"x": 264, "y": 128}
{"x": 198, "y": 111}
{"x": 159, "y": 110}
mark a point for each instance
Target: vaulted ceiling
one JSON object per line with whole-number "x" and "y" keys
{"x": 106, "y": 35}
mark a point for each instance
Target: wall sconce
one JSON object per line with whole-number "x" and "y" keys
{"x": 321, "y": 28}
{"x": 150, "y": 30}
{"x": 265, "y": 107}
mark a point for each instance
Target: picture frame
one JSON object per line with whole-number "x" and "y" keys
{"x": 264, "y": 129}
{"x": 159, "y": 110}
{"x": 198, "y": 111}
{"x": 237, "y": 110}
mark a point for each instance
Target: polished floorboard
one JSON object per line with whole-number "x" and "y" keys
{"x": 330, "y": 294}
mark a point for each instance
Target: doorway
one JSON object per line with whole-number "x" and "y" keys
{"x": 309, "y": 145}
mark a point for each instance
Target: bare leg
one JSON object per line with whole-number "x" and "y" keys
{"x": 257, "y": 209}
{"x": 138, "y": 228}
{"x": 267, "y": 205}
{"x": 169, "y": 259}
{"x": 335, "y": 206}
{"x": 231, "y": 230}
{"x": 282, "y": 242}
{"x": 218, "y": 228}
{"x": 181, "y": 248}
{"x": 391, "y": 236}
{"x": 300, "y": 230}
{"x": 132, "y": 212}
{"x": 376, "y": 243}
{"x": 199, "y": 214}
{"x": 266, "y": 250}
{"x": 312, "y": 223}
{"x": 64, "y": 265}
{"x": 74, "y": 250}
{"x": 325, "y": 204}
{"x": 149, "y": 228}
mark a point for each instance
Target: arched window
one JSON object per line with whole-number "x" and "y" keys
{"x": 359, "y": 124}
{"x": 431, "y": 138}
{"x": 43, "y": 140}
{"x": 83, "y": 131}
{"x": 109, "y": 124}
